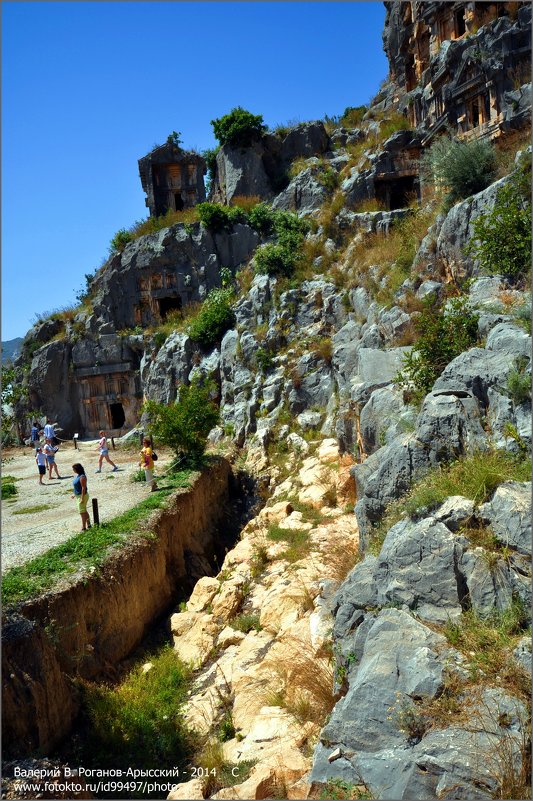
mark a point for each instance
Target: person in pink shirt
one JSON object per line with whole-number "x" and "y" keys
{"x": 104, "y": 453}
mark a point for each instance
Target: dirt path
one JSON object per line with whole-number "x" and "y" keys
{"x": 55, "y": 518}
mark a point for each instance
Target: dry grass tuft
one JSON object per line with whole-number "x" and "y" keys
{"x": 368, "y": 205}
{"x": 246, "y": 202}
{"x": 306, "y": 680}
{"x": 341, "y": 556}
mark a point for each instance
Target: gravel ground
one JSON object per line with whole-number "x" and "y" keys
{"x": 29, "y": 534}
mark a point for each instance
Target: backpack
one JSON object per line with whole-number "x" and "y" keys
{"x": 154, "y": 456}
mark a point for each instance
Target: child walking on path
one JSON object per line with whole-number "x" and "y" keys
{"x": 80, "y": 492}
{"x": 147, "y": 463}
{"x": 50, "y": 453}
{"x": 104, "y": 453}
{"x": 40, "y": 458}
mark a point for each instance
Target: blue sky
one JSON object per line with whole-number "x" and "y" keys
{"x": 89, "y": 88}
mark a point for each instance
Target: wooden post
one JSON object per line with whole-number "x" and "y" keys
{"x": 96, "y": 517}
{"x": 113, "y": 442}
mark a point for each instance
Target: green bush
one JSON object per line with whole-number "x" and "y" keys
{"x": 502, "y": 237}
{"x": 8, "y": 487}
{"x": 184, "y": 425}
{"x": 275, "y": 259}
{"x": 217, "y": 218}
{"x": 519, "y": 381}
{"x": 239, "y": 128}
{"x": 264, "y": 360}
{"x": 329, "y": 178}
{"x": 281, "y": 257}
{"x": 122, "y": 237}
{"x": 442, "y": 335}
{"x": 352, "y": 116}
{"x": 262, "y": 218}
{"x": 463, "y": 168}
{"x": 215, "y": 318}
{"x": 290, "y": 229}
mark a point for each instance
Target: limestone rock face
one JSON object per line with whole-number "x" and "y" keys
{"x": 174, "y": 265}
{"x": 50, "y": 386}
{"x": 260, "y": 168}
{"x": 305, "y": 193}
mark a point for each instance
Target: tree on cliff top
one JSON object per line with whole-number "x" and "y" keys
{"x": 238, "y": 128}
{"x": 185, "y": 424}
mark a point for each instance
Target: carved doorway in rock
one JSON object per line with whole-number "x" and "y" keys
{"x": 178, "y": 201}
{"x": 167, "y": 305}
{"x": 116, "y": 412}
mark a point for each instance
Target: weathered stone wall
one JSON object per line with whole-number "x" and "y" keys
{"x": 97, "y": 620}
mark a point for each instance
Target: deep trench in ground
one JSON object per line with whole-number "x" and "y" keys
{"x": 83, "y": 745}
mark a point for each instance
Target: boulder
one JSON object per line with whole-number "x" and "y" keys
{"x": 204, "y": 591}
{"x": 304, "y": 194}
{"x": 379, "y": 366}
{"x": 508, "y": 514}
{"x": 194, "y": 636}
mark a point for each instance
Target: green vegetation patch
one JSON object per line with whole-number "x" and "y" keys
{"x": 340, "y": 789}
{"x": 461, "y": 168}
{"x": 31, "y": 510}
{"x": 245, "y": 623}
{"x": 488, "y": 643}
{"x": 297, "y": 540}
{"x": 502, "y": 237}
{"x": 85, "y": 549}
{"x": 214, "y": 318}
{"x": 442, "y": 335}
{"x": 140, "y": 722}
{"x": 8, "y": 486}
{"x": 475, "y": 477}
{"x": 239, "y": 128}
{"x": 184, "y": 425}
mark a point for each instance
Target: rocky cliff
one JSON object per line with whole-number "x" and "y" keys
{"x": 420, "y": 707}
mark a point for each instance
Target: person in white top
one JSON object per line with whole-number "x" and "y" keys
{"x": 40, "y": 458}
{"x": 50, "y": 453}
{"x": 104, "y": 453}
{"x": 49, "y": 431}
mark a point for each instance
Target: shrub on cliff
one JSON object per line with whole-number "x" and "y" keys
{"x": 122, "y": 237}
{"x": 502, "y": 237}
{"x": 214, "y": 318}
{"x": 280, "y": 258}
{"x": 442, "y": 335}
{"x": 184, "y": 425}
{"x": 239, "y": 128}
{"x": 217, "y": 218}
{"x": 462, "y": 168}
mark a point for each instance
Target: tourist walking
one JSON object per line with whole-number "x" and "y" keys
{"x": 34, "y": 436}
{"x": 50, "y": 453}
{"x": 49, "y": 431}
{"x": 40, "y": 458}
{"x": 104, "y": 453}
{"x": 81, "y": 495}
{"x": 147, "y": 463}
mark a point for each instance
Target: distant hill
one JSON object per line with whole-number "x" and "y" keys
{"x": 11, "y": 349}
